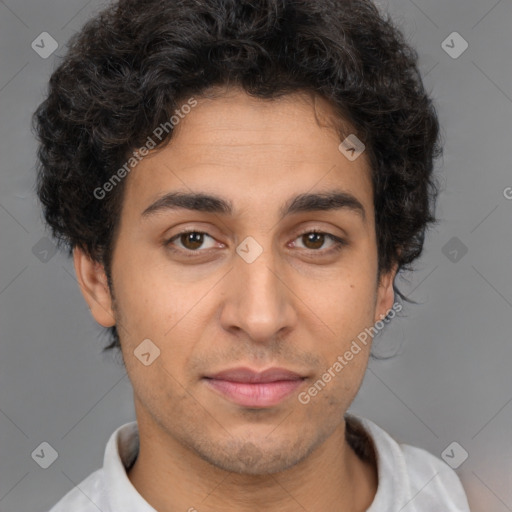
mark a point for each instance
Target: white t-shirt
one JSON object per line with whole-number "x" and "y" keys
{"x": 410, "y": 479}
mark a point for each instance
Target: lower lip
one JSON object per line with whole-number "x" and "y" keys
{"x": 247, "y": 394}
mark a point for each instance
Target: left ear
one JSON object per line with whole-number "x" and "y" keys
{"x": 385, "y": 294}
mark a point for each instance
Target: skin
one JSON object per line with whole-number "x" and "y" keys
{"x": 292, "y": 307}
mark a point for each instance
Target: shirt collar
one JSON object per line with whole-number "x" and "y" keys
{"x": 121, "y": 451}
{"x": 393, "y": 480}
{"x": 123, "y": 447}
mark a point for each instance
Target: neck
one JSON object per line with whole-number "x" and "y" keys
{"x": 333, "y": 478}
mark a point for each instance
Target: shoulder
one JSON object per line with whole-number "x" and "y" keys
{"x": 108, "y": 488}
{"x": 87, "y": 496}
{"x": 411, "y": 479}
{"x": 432, "y": 481}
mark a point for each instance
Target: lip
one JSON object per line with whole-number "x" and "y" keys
{"x": 244, "y": 374}
{"x": 250, "y": 388}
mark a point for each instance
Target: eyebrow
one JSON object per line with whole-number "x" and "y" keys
{"x": 326, "y": 201}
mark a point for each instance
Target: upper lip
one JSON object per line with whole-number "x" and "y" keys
{"x": 248, "y": 375}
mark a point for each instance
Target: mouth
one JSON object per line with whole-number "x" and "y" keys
{"x": 250, "y": 388}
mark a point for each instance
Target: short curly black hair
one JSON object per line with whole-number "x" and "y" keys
{"x": 130, "y": 67}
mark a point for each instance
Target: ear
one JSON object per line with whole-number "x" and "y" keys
{"x": 94, "y": 287}
{"x": 385, "y": 294}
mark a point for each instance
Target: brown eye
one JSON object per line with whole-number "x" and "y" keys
{"x": 190, "y": 241}
{"x": 313, "y": 240}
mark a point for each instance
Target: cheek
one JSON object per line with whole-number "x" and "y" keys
{"x": 162, "y": 391}
{"x": 346, "y": 308}
{"x": 327, "y": 396}
{"x": 150, "y": 299}
{"x": 158, "y": 307}
{"x": 345, "y": 304}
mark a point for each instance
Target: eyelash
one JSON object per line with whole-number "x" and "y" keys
{"x": 339, "y": 243}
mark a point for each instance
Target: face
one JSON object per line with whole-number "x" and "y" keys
{"x": 260, "y": 281}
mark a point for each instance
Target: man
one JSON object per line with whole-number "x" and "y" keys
{"x": 240, "y": 183}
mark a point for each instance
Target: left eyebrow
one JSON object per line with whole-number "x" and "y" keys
{"x": 332, "y": 200}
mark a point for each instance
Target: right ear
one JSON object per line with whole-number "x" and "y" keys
{"x": 94, "y": 287}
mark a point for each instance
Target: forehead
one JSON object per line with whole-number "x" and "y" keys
{"x": 248, "y": 148}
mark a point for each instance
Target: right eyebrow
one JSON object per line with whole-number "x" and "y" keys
{"x": 189, "y": 201}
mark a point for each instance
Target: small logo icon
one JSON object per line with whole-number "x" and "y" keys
{"x": 352, "y": 147}
{"x": 45, "y": 455}
{"x": 508, "y": 193}
{"x": 454, "y": 45}
{"x": 44, "y": 45}
{"x": 454, "y": 249}
{"x": 249, "y": 250}
{"x": 146, "y": 352}
{"x": 454, "y": 455}
{"x": 44, "y": 250}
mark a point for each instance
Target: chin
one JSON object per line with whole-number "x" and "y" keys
{"x": 256, "y": 458}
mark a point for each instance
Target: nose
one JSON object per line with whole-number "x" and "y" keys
{"x": 259, "y": 300}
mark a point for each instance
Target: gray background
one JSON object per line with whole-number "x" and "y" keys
{"x": 451, "y": 380}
